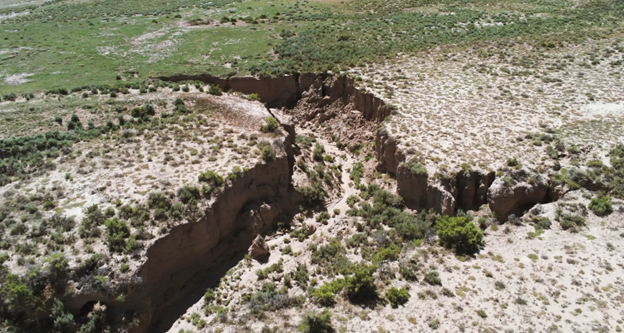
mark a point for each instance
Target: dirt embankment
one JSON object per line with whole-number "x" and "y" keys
{"x": 179, "y": 262}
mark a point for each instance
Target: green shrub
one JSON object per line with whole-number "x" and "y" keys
{"x": 215, "y": 90}
{"x": 235, "y": 173}
{"x": 48, "y": 205}
{"x": 570, "y": 221}
{"x": 209, "y": 296}
{"x": 271, "y": 125}
{"x": 314, "y": 195}
{"x": 138, "y": 112}
{"x": 433, "y": 278}
{"x": 513, "y": 163}
{"x": 266, "y": 151}
{"x": 461, "y": 236}
{"x": 499, "y": 285}
{"x": 63, "y": 321}
{"x": 149, "y": 109}
{"x": 323, "y": 217}
{"x": 74, "y": 123}
{"x": 97, "y": 323}
{"x": 357, "y": 171}
{"x": 301, "y": 276}
{"x": 189, "y": 195}
{"x": 326, "y": 294}
{"x": 18, "y": 297}
{"x": 313, "y": 322}
{"x": 211, "y": 177}
{"x": 601, "y": 205}
{"x": 390, "y": 253}
{"x": 253, "y": 97}
{"x": 542, "y": 223}
{"x": 360, "y": 287}
{"x": 397, "y": 296}
{"x": 9, "y": 96}
{"x": 408, "y": 271}
{"x": 156, "y": 200}
{"x": 58, "y": 265}
{"x": 117, "y": 231}
{"x": 317, "y": 153}
{"x": 304, "y": 141}
{"x": 414, "y": 166}
{"x": 331, "y": 257}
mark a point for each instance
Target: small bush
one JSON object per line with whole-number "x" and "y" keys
{"x": 49, "y": 205}
{"x": 408, "y": 271}
{"x": 569, "y": 221}
{"x": 397, "y": 296}
{"x": 304, "y": 141}
{"x": 543, "y": 223}
{"x": 513, "y": 163}
{"x": 415, "y": 167}
{"x": 271, "y": 125}
{"x": 149, "y": 109}
{"x": 318, "y": 152}
{"x": 157, "y": 200}
{"x": 9, "y": 96}
{"x": 211, "y": 178}
{"x": 209, "y": 296}
{"x": 117, "y": 232}
{"x": 253, "y": 97}
{"x": 63, "y": 320}
{"x": 301, "y": 275}
{"x": 266, "y": 151}
{"x": 433, "y": 278}
{"x": 215, "y": 90}
{"x": 325, "y": 295}
{"x": 313, "y": 322}
{"x": 189, "y": 195}
{"x": 356, "y": 173}
{"x": 138, "y": 112}
{"x": 390, "y": 253}
{"x": 601, "y": 205}
{"x": 360, "y": 286}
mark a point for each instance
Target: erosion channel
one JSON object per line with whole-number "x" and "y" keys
{"x": 195, "y": 255}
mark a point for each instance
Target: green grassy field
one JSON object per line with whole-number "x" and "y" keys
{"x": 67, "y": 44}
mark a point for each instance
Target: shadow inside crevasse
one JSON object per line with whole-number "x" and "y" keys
{"x": 194, "y": 290}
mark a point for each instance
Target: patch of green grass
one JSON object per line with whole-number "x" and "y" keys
{"x": 70, "y": 44}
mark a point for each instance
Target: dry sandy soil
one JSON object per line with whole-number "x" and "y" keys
{"x": 479, "y": 106}
{"x": 122, "y": 168}
{"x": 483, "y": 105}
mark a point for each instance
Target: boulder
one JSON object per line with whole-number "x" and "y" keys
{"x": 506, "y": 198}
{"x": 259, "y": 248}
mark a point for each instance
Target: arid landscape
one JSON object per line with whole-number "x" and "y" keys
{"x": 311, "y": 166}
